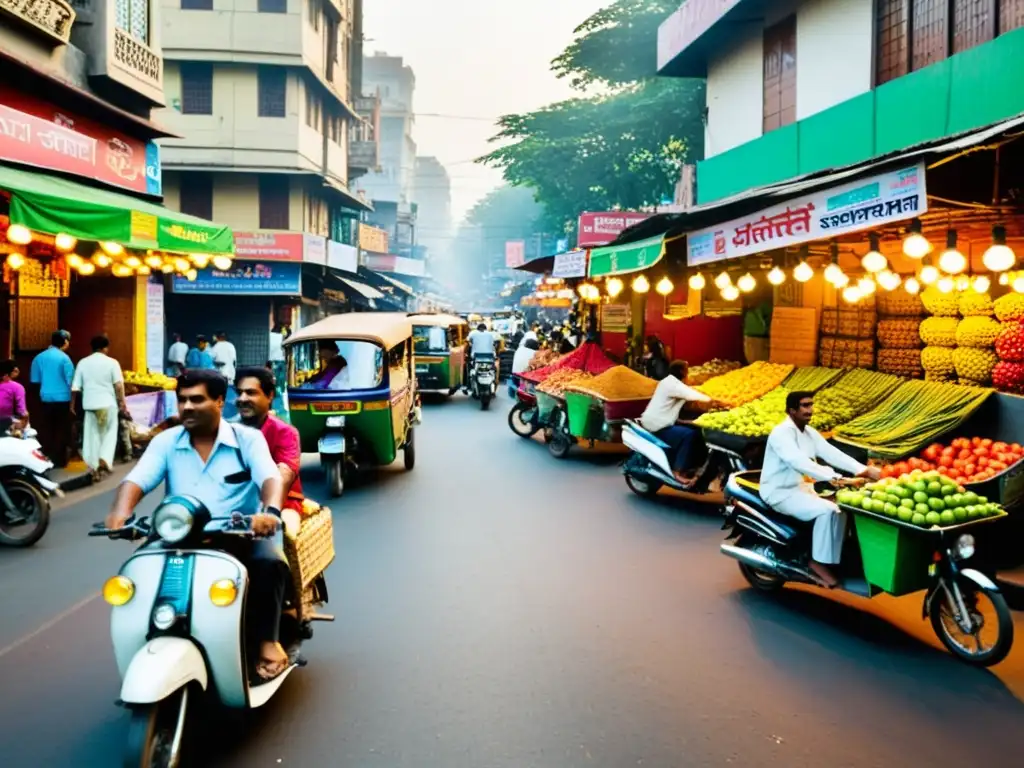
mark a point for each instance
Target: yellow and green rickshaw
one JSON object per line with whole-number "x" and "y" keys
{"x": 440, "y": 345}
{"x": 352, "y": 392}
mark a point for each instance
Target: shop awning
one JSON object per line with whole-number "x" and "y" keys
{"x": 364, "y": 290}
{"x": 630, "y": 257}
{"x": 539, "y": 266}
{"x": 53, "y": 205}
{"x": 399, "y": 285}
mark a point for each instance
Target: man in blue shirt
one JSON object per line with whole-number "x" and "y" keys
{"x": 199, "y": 357}
{"x": 53, "y": 372}
{"x": 228, "y": 468}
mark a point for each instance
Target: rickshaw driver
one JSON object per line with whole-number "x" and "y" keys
{"x": 229, "y": 469}
{"x": 789, "y": 457}
{"x": 334, "y": 374}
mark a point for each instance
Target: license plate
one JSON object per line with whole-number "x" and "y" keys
{"x": 332, "y": 444}
{"x": 422, "y": 368}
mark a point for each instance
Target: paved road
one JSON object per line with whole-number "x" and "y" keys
{"x": 496, "y": 608}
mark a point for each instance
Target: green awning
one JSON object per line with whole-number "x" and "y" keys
{"x": 630, "y": 257}
{"x": 53, "y": 205}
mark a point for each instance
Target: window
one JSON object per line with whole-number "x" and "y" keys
{"x": 973, "y": 23}
{"x": 1011, "y": 15}
{"x": 197, "y": 5}
{"x": 313, "y": 110}
{"x": 780, "y": 74}
{"x": 272, "y": 84}
{"x": 272, "y": 6}
{"x": 196, "y": 88}
{"x": 929, "y": 38}
{"x": 132, "y": 16}
{"x": 274, "y": 202}
{"x": 313, "y": 13}
{"x": 197, "y": 194}
{"x": 316, "y": 368}
{"x": 891, "y": 45}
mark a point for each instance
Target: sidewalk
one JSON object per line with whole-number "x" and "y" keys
{"x": 78, "y": 486}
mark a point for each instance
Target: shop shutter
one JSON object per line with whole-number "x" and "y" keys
{"x": 893, "y": 53}
{"x": 245, "y": 319}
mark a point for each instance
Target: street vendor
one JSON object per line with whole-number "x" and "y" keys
{"x": 789, "y": 460}
{"x": 662, "y": 413}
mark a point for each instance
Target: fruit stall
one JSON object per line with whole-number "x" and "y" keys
{"x": 150, "y": 397}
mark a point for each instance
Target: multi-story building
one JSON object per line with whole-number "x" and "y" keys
{"x": 265, "y": 94}
{"x": 391, "y": 187}
{"x": 433, "y": 196}
{"x": 798, "y": 86}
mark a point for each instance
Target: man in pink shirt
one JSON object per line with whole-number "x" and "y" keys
{"x": 13, "y": 411}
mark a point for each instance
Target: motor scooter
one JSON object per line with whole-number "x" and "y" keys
{"x": 483, "y": 379}
{"x": 967, "y": 610}
{"x": 178, "y": 624}
{"x": 25, "y": 490}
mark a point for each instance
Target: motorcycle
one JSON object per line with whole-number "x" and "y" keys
{"x": 773, "y": 549}
{"x": 483, "y": 380}
{"x": 178, "y": 624}
{"x": 524, "y": 418}
{"x": 25, "y": 490}
{"x": 648, "y": 470}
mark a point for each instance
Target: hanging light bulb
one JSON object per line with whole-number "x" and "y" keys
{"x": 583, "y": 290}
{"x": 640, "y": 285}
{"x": 723, "y": 281}
{"x": 916, "y": 245}
{"x": 842, "y": 281}
{"x": 912, "y": 286}
{"x": 112, "y": 248}
{"x": 776, "y": 276}
{"x": 191, "y": 275}
{"x": 999, "y": 257}
{"x": 866, "y": 286}
{"x": 803, "y": 272}
{"x": 143, "y": 270}
{"x": 86, "y": 268}
{"x": 946, "y": 285}
{"x": 833, "y": 273}
{"x": 74, "y": 260}
{"x": 15, "y": 261}
{"x": 890, "y": 281}
{"x": 697, "y": 282}
{"x": 167, "y": 268}
{"x": 747, "y": 283}
{"x": 730, "y": 292}
{"x": 19, "y": 235}
{"x": 1004, "y": 279}
{"x": 664, "y": 286}
{"x": 121, "y": 270}
{"x": 851, "y": 295}
{"x": 1018, "y": 284}
{"x": 154, "y": 262}
{"x": 64, "y": 243}
{"x": 963, "y": 282}
{"x": 133, "y": 261}
{"x": 224, "y": 263}
{"x": 101, "y": 260}
{"x": 182, "y": 265}
{"x": 929, "y": 274}
{"x": 981, "y": 284}
{"x": 613, "y": 286}
{"x": 200, "y": 260}
{"x": 873, "y": 261}
{"x": 952, "y": 262}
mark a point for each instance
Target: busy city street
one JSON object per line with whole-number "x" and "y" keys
{"x": 498, "y": 608}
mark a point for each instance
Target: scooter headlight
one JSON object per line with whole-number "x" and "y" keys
{"x": 118, "y": 590}
{"x": 335, "y": 422}
{"x": 164, "y": 616}
{"x": 172, "y": 522}
{"x": 963, "y": 548}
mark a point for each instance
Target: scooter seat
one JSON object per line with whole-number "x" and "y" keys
{"x": 648, "y": 436}
{"x": 743, "y": 487}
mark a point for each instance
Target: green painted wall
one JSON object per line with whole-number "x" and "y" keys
{"x": 972, "y": 89}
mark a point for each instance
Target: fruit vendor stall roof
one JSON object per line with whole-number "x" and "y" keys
{"x": 55, "y": 205}
{"x": 757, "y": 198}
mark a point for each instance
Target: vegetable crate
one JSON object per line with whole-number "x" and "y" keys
{"x": 586, "y": 416}
{"x": 895, "y": 558}
{"x": 545, "y": 405}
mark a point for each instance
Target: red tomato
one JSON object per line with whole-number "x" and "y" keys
{"x": 964, "y": 454}
{"x": 999, "y": 447}
{"x": 943, "y": 470}
{"x": 982, "y": 462}
{"x": 949, "y": 451}
{"x": 998, "y": 466}
{"x": 902, "y": 468}
{"x": 1016, "y": 448}
{"x": 932, "y": 452}
{"x": 986, "y": 443}
{"x": 958, "y": 463}
{"x": 980, "y": 451}
{"x": 946, "y": 461}
{"x": 970, "y": 469}
{"x": 975, "y": 442}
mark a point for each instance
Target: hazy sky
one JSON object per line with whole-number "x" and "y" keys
{"x": 475, "y": 59}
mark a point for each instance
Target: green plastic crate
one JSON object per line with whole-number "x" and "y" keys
{"x": 896, "y": 558}
{"x": 586, "y": 417}
{"x": 545, "y": 405}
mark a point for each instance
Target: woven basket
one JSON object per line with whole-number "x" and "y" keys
{"x": 312, "y": 550}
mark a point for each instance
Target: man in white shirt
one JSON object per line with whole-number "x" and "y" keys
{"x": 176, "y": 356}
{"x": 98, "y": 377}
{"x": 481, "y": 341}
{"x": 789, "y": 461}
{"x": 224, "y": 356}
{"x": 662, "y": 412}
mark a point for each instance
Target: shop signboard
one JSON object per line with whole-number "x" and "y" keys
{"x": 34, "y": 132}
{"x": 616, "y": 318}
{"x": 572, "y": 264}
{"x": 515, "y": 253}
{"x": 155, "y": 340}
{"x": 887, "y": 198}
{"x": 245, "y": 279}
{"x": 269, "y": 246}
{"x": 396, "y": 264}
{"x": 373, "y": 239}
{"x": 342, "y": 257}
{"x": 314, "y": 249}
{"x": 603, "y": 228}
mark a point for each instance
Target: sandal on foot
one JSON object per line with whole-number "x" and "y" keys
{"x": 267, "y": 670}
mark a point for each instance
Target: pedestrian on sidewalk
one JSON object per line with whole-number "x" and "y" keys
{"x": 53, "y": 371}
{"x": 225, "y": 358}
{"x": 98, "y": 377}
{"x": 176, "y": 356}
{"x": 13, "y": 412}
{"x": 199, "y": 357}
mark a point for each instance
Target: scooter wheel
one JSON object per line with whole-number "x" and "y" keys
{"x": 151, "y": 735}
{"x": 522, "y": 427}
{"x": 35, "y": 508}
{"x": 995, "y": 623}
{"x": 762, "y": 582}
{"x": 648, "y": 489}
{"x": 335, "y": 478}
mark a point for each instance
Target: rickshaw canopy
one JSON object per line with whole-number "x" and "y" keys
{"x": 385, "y": 328}
{"x": 438, "y": 320}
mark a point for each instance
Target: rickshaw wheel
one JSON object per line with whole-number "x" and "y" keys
{"x": 409, "y": 450}
{"x": 335, "y": 478}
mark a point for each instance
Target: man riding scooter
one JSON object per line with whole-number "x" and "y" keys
{"x": 789, "y": 458}
{"x": 662, "y": 413}
{"x": 229, "y": 469}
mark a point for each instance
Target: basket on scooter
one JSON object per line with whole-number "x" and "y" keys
{"x": 309, "y": 554}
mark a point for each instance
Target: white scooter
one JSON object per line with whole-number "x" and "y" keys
{"x": 648, "y": 470}
{"x": 178, "y": 627}
{"x": 24, "y": 489}
{"x": 484, "y": 380}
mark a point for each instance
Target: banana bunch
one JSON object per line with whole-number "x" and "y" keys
{"x": 975, "y": 365}
{"x": 939, "y": 303}
{"x": 939, "y": 331}
{"x": 938, "y": 363}
{"x": 899, "y": 334}
{"x": 151, "y": 380}
{"x": 980, "y": 332}
{"x": 974, "y": 304}
{"x": 914, "y": 415}
{"x": 855, "y": 393}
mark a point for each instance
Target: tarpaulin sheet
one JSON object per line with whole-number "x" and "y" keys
{"x": 587, "y": 357}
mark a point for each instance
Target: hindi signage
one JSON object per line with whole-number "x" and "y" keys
{"x": 245, "y": 279}
{"x": 515, "y": 253}
{"x": 571, "y": 264}
{"x": 866, "y": 204}
{"x": 373, "y": 239}
{"x": 155, "y": 326}
{"x": 269, "y": 246}
{"x": 603, "y": 228}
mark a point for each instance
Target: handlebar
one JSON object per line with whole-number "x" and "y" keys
{"x": 235, "y": 524}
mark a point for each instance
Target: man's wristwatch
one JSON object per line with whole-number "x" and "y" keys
{"x": 272, "y": 511}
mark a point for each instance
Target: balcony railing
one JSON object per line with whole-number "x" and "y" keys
{"x": 134, "y": 56}
{"x": 363, "y": 155}
{"x": 53, "y": 18}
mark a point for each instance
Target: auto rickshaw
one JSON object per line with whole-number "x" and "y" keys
{"x": 352, "y": 392}
{"x": 440, "y": 345}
